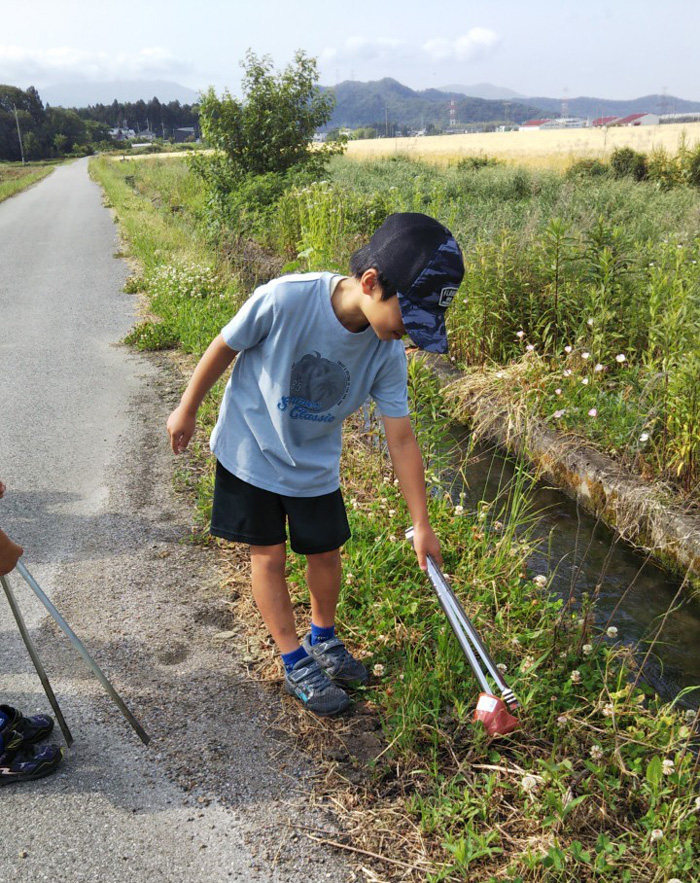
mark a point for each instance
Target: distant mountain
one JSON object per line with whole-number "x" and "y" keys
{"x": 84, "y": 94}
{"x": 387, "y": 103}
{"x": 487, "y": 91}
{"x": 602, "y": 107}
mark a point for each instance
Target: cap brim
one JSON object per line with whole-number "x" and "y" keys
{"x": 426, "y": 328}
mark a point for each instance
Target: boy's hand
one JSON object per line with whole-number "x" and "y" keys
{"x": 181, "y": 425}
{"x": 10, "y": 553}
{"x": 425, "y": 542}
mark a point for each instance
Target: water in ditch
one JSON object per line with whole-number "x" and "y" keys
{"x": 580, "y": 553}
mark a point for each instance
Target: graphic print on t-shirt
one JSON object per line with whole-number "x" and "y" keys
{"x": 316, "y": 385}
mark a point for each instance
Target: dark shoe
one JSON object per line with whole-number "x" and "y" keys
{"x": 32, "y": 729}
{"x": 309, "y": 683}
{"x": 21, "y": 764}
{"x": 337, "y": 662}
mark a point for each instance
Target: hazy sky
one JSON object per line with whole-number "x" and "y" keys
{"x": 613, "y": 49}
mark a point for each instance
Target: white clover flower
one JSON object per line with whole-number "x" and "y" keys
{"x": 502, "y": 667}
{"x": 515, "y": 641}
{"x": 611, "y": 631}
{"x": 349, "y": 578}
{"x": 608, "y": 710}
{"x": 589, "y": 322}
{"x": 668, "y": 767}
{"x": 575, "y": 676}
{"x": 540, "y": 580}
{"x": 675, "y": 880}
{"x": 644, "y": 437}
{"x": 393, "y": 538}
{"x": 656, "y": 834}
{"x": 459, "y": 510}
{"x": 500, "y": 374}
{"x": 596, "y": 752}
{"x": 567, "y": 372}
{"x": 560, "y": 413}
{"x": 587, "y": 649}
{"x": 562, "y": 720}
{"x": 593, "y": 412}
{"x": 557, "y": 391}
{"x": 568, "y": 348}
{"x": 530, "y": 347}
{"x": 378, "y": 670}
{"x": 585, "y": 356}
{"x": 528, "y": 784}
{"x": 498, "y": 525}
{"x": 697, "y": 804}
{"x": 598, "y": 368}
{"x": 520, "y": 334}
{"x": 690, "y": 715}
{"x": 621, "y": 357}
{"x": 391, "y": 513}
{"x": 585, "y": 381}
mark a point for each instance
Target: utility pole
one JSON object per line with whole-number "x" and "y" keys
{"x": 19, "y": 133}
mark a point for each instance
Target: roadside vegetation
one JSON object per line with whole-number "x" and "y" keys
{"x": 15, "y": 177}
{"x": 581, "y": 299}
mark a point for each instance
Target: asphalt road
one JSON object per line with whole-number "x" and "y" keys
{"x": 220, "y": 793}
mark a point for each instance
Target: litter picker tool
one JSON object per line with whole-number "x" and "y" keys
{"x": 493, "y": 711}
{"x": 75, "y": 641}
{"x": 43, "y": 677}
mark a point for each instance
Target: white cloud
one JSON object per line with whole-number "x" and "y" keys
{"x": 476, "y": 43}
{"x": 367, "y": 49}
{"x": 44, "y": 67}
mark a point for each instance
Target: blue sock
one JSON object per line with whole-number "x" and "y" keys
{"x": 291, "y": 659}
{"x": 319, "y": 634}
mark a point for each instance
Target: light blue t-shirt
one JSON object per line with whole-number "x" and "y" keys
{"x": 298, "y": 374}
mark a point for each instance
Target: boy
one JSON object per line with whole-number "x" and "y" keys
{"x": 19, "y": 762}
{"x": 309, "y": 349}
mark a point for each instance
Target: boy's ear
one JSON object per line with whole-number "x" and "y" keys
{"x": 369, "y": 281}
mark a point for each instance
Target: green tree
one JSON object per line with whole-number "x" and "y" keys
{"x": 271, "y": 129}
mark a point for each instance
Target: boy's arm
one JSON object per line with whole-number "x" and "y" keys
{"x": 408, "y": 466}
{"x": 210, "y": 367}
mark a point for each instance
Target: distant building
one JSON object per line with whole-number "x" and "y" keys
{"x": 533, "y": 125}
{"x": 603, "y": 121}
{"x": 638, "y": 119}
{"x": 121, "y": 134}
{"x": 184, "y": 133}
{"x": 565, "y": 123}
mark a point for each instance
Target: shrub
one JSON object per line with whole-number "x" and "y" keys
{"x": 628, "y": 163}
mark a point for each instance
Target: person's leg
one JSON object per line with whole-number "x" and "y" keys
{"x": 323, "y": 573}
{"x": 272, "y": 596}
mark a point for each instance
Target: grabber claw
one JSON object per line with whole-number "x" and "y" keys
{"x": 493, "y": 714}
{"x": 491, "y": 710}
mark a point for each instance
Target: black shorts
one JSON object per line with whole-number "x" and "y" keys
{"x": 248, "y": 514}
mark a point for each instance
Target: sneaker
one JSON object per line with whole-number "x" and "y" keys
{"x": 32, "y": 729}
{"x": 335, "y": 659}
{"x": 309, "y": 682}
{"x": 21, "y": 764}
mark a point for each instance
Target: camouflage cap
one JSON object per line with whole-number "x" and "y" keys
{"x": 421, "y": 259}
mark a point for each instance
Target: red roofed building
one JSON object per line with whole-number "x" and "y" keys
{"x": 603, "y": 121}
{"x": 531, "y": 125}
{"x": 638, "y": 119}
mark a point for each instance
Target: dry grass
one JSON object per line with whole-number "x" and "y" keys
{"x": 554, "y": 148}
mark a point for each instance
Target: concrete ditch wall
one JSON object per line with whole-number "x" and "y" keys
{"x": 644, "y": 514}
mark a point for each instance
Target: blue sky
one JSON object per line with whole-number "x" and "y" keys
{"x": 614, "y": 49}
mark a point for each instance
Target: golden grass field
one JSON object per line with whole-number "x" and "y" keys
{"x": 556, "y": 147}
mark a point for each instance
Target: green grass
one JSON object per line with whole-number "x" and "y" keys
{"x": 15, "y": 177}
{"x": 600, "y": 783}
